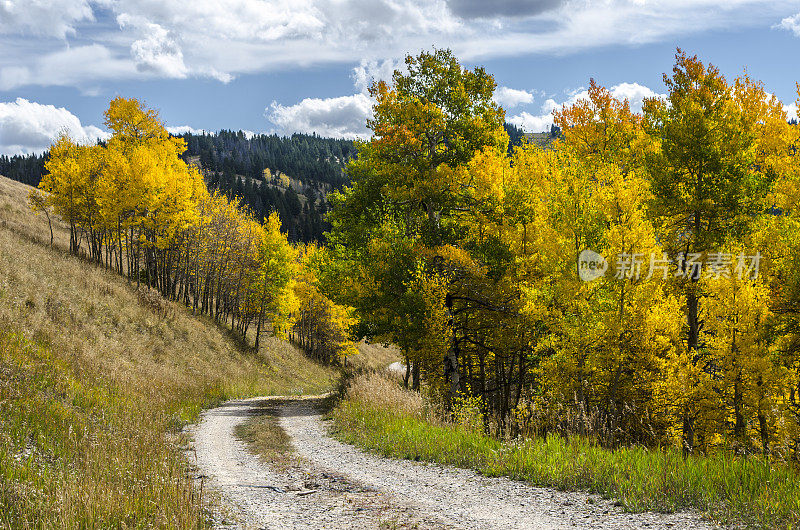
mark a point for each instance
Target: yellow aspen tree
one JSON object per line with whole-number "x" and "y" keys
{"x": 604, "y": 129}
{"x": 273, "y": 288}
{"x": 66, "y": 183}
{"x": 705, "y": 180}
{"x": 749, "y": 385}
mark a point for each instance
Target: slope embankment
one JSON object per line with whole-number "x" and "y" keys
{"x": 96, "y": 383}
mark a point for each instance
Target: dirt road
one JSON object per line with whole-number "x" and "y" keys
{"x": 334, "y": 485}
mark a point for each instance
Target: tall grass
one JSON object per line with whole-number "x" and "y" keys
{"x": 750, "y": 491}
{"x": 95, "y": 387}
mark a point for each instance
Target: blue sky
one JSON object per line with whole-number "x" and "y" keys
{"x": 303, "y": 65}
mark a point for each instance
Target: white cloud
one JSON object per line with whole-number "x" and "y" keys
{"x": 224, "y": 38}
{"x": 221, "y": 39}
{"x": 342, "y": 117}
{"x": 183, "y": 129}
{"x": 532, "y": 123}
{"x": 156, "y": 50}
{"x": 633, "y": 92}
{"x": 791, "y": 111}
{"x": 589, "y": 24}
{"x": 511, "y": 97}
{"x": 369, "y": 71}
{"x": 53, "y": 18}
{"x": 30, "y": 127}
{"x": 792, "y": 24}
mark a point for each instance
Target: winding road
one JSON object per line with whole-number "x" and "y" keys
{"x": 336, "y": 486}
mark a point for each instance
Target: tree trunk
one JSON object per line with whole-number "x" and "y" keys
{"x": 408, "y": 370}
{"x": 688, "y": 434}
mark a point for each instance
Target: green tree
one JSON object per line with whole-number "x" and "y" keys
{"x": 410, "y": 189}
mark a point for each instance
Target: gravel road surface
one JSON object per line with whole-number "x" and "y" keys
{"x": 336, "y": 486}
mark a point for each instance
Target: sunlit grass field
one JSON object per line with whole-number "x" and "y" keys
{"x": 95, "y": 387}
{"x": 378, "y": 415}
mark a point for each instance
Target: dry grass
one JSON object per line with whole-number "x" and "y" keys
{"x": 266, "y": 438}
{"x": 380, "y": 391}
{"x": 372, "y": 356}
{"x": 97, "y": 320}
{"x": 95, "y": 387}
{"x": 16, "y": 216}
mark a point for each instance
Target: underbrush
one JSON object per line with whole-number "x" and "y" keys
{"x": 731, "y": 490}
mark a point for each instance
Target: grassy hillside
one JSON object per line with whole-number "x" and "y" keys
{"x": 96, "y": 382}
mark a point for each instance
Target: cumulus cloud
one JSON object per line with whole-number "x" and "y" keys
{"x": 532, "y": 122}
{"x": 369, "y": 71}
{"x": 501, "y": 8}
{"x": 341, "y": 117}
{"x": 53, "y": 18}
{"x": 157, "y": 50}
{"x": 633, "y": 92}
{"x": 791, "y": 111}
{"x": 792, "y": 24}
{"x": 68, "y": 67}
{"x": 30, "y": 127}
{"x": 511, "y": 97}
{"x": 222, "y": 38}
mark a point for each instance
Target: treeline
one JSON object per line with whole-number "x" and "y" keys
{"x": 134, "y": 206}
{"x": 636, "y": 282}
{"x": 235, "y": 164}
{"x": 308, "y": 157}
{"x": 301, "y": 218}
{"x": 27, "y": 169}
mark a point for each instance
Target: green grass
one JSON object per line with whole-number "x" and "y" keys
{"x": 76, "y": 454}
{"x": 731, "y": 490}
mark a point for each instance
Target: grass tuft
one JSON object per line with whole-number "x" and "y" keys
{"x": 265, "y": 437}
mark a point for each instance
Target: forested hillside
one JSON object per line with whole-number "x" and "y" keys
{"x": 287, "y": 175}
{"x": 307, "y": 157}
{"x": 27, "y": 169}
